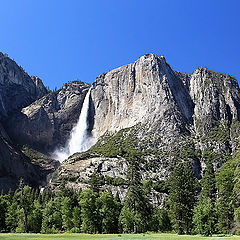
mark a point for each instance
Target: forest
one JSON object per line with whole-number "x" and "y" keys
{"x": 207, "y": 206}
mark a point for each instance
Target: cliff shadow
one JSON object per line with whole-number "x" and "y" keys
{"x": 91, "y": 114}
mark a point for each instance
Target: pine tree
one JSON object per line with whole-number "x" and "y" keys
{"x": 24, "y": 196}
{"x": 224, "y": 204}
{"x": 182, "y": 197}
{"x": 76, "y": 219}
{"x": 160, "y": 221}
{"x": 52, "y": 216}
{"x": 136, "y": 212}
{"x": 118, "y": 205}
{"x": 95, "y": 182}
{"x": 3, "y": 212}
{"x": 109, "y": 213}
{"x": 204, "y": 217}
{"x": 89, "y": 213}
{"x": 67, "y": 213}
{"x": 35, "y": 217}
{"x": 12, "y": 216}
{"x": 236, "y": 192}
{"x": 208, "y": 183}
{"x": 21, "y": 221}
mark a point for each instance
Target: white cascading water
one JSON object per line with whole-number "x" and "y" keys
{"x": 80, "y": 140}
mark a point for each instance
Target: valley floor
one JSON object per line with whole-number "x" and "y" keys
{"x": 153, "y": 236}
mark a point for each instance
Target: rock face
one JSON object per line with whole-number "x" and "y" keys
{"x": 17, "y": 89}
{"x": 215, "y": 96}
{"x": 165, "y": 115}
{"x": 46, "y": 124}
{"x": 143, "y": 92}
{"x": 14, "y": 166}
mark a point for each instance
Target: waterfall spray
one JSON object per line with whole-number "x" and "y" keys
{"x": 80, "y": 140}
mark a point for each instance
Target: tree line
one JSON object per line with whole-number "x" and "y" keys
{"x": 205, "y": 207}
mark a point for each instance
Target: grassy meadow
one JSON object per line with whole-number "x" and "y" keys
{"x": 153, "y": 236}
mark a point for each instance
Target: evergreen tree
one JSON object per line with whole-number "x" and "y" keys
{"x": 204, "y": 217}
{"x": 236, "y": 192}
{"x": 12, "y": 216}
{"x": 26, "y": 199}
{"x": 109, "y": 213}
{"x": 76, "y": 219}
{"x": 208, "y": 183}
{"x": 47, "y": 221}
{"x": 224, "y": 204}
{"x": 35, "y": 217}
{"x": 89, "y": 212}
{"x": 95, "y": 182}
{"x": 160, "y": 221}
{"x": 21, "y": 221}
{"x": 57, "y": 214}
{"x": 182, "y": 197}
{"x": 67, "y": 214}
{"x": 136, "y": 212}
{"x": 52, "y": 216}
{"x": 118, "y": 205}
{"x": 3, "y": 212}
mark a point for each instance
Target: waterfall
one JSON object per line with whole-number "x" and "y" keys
{"x": 80, "y": 140}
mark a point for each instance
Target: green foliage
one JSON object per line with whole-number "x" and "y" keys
{"x": 36, "y": 157}
{"x": 219, "y": 133}
{"x": 204, "y": 218}
{"x": 209, "y": 183}
{"x": 52, "y": 217}
{"x": 136, "y": 212}
{"x": 96, "y": 181}
{"x": 12, "y": 216}
{"x": 161, "y": 186}
{"x": 97, "y": 211}
{"x": 67, "y": 213}
{"x": 3, "y": 212}
{"x": 76, "y": 219}
{"x": 160, "y": 221}
{"x": 35, "y": 217}
{"x": 182, "y": 197}
{"x": 224, "y": 204}
{"x": 109, "y": 211}
{"x": 116, "y": 181}
{"x": 113, "y": 146}
{"x": 89, "y": 211}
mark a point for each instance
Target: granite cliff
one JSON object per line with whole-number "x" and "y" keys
{"x": 163, "y": 115}
{"x": 46, "y": 124}
{"x": 18, "y": 90}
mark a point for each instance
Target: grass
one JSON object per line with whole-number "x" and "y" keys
{"x": 153, "y": 236}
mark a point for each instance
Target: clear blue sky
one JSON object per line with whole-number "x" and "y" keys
{"x": 64, "y": 40}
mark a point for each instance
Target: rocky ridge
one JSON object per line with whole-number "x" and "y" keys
{"x": 46, "y": 124}
{"x": 17, "y": 90}
{"x": 165, "y": 115}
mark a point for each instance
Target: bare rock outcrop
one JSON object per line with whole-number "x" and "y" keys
{"x": 46, "y": 124}
{"x": 165, "y": 115}
{"x": 17, "y": 88}
{"x": 147, "y": 91}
